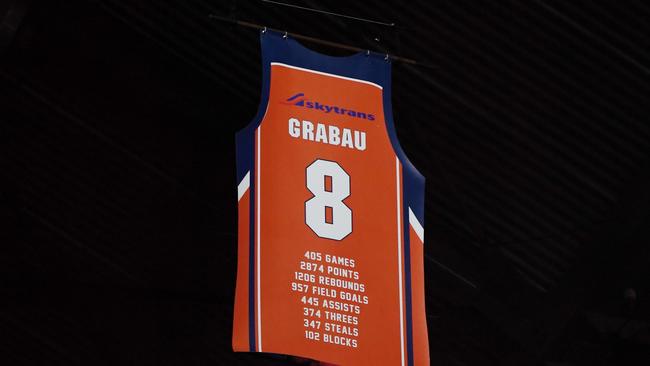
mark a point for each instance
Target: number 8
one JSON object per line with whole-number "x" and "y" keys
{"x": 340, "y": 224}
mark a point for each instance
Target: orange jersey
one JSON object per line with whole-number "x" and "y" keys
{"x": 330, "y": 252}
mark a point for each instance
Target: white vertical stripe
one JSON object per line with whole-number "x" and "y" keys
{"x": 243, "y": 185}
{"x": 259, "y": 225}
{"x": 399, "y": 258}
{"x": 417, "y": 227}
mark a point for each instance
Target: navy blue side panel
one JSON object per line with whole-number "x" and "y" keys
{"x": 245, "y": 152}
{"x": 413, "y": 198}
{"x": 407, "y": 276}
{"x": 251, "y": 266}
{"x": 245, "y": 145}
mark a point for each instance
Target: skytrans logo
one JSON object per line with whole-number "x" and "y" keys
{"x": 301, "y": 101}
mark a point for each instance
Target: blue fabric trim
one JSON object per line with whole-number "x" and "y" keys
{"x": 407, "y": 276}
{"x": 245, "y": 145}
{"x": 251, "y": 267}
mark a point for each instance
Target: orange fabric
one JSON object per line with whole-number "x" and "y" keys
{"x": 339, "y": 301}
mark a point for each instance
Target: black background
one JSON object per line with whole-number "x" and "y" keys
{"x": 529, "y": 120}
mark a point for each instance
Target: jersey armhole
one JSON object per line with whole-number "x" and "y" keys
{"x": 244, "y": 138}
{"x": 392, "y": 131}
{"x": 264, "y": 96}
{"x": 413, "y": 180}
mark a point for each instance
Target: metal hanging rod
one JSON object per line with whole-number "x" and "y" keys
{"x": 328, "y": 13}
{"x": 315, "y": 40}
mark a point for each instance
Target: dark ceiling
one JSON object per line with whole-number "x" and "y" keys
{"x": 529, "y": 119}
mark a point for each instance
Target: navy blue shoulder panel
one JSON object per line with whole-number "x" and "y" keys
{"x": 362, "y": 65}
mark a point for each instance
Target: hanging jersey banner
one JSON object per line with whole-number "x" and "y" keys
{"x": 330, "y": 246}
